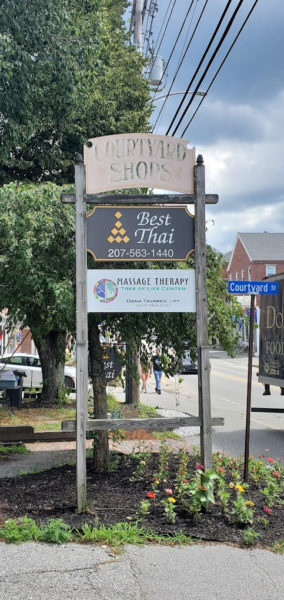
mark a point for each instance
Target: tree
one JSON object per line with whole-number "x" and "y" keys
{"x": 37, "y": 259}
{"x": 67, "y": 74}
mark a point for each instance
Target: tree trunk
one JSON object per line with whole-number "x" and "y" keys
{"x": 101, "y": 446}
{"x": 132, "y": 395}
{"x": 51, "y": 349}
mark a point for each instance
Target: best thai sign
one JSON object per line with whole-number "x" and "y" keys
{"x": 141, "y": 290}
{"x": 135, "y": 160}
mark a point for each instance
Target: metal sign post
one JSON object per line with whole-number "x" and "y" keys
{"x": 248, "y": 411}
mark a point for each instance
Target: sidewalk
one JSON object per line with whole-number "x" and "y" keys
{"x": 84, "y": 572}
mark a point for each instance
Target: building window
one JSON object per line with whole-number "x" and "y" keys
{"x": 249, "y": 273}
{"x": 270, "y": 270}
{"x": 242, "y": 274}
{"x": 237, "y": 276}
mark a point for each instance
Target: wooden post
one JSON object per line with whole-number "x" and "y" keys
{"x": 248, "y": 411}
{"x": 202, "y": 317}
{"x": 81, "y": 332}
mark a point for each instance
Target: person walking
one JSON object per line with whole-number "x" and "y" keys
{"x": 156, "y": 362}
{"x": 145, "y": 369}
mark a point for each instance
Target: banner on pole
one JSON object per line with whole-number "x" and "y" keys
{"x": 141, "y": 290}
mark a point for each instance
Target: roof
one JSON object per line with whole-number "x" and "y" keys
{"x": 227, "y": 256}
{"x": 262, "y": 246}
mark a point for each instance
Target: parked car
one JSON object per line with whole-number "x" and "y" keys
{"x": 30, "y": 365}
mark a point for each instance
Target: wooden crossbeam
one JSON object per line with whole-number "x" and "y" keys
{"x": 113, "y": 199}
{"x": 156, "y": 424}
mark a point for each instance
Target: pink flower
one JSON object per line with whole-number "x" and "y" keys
{"x": 199, "y": 466}
{"x": 266, "y": 450}
{"x": 169, "y": 491}
{"x": 268, "y": 459}
{"x": 267, "y": 510}
{"x": 276, "y": 474}
{"x": 221, "y": 470}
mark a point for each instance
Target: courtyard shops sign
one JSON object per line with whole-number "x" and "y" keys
{"x": 137, "y": 160}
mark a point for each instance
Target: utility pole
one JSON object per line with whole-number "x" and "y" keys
{"x": 138, "y": 21}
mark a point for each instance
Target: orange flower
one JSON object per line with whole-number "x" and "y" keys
{"x": 151, "y": 495}
{"x": 202, "y": 487}
{"x": 276, "y": 474}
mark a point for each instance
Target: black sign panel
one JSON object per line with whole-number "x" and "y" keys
{"x": 148, "y": 233}
{"x": 112, "y": 362}
{"x": 271, "y": 356}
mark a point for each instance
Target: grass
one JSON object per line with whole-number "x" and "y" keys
{"x": 165, "y": 435}
{"x": 40, "y": 419}
{"x": 13, "y": 449}
{"x": 278, "y": 547}
{"x": 58, "y": 532}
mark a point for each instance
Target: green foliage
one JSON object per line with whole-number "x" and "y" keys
{"x": 242, "y": 513}
{"x": 278, "y": 547}
{"x": 144, "y": 507}
{"x": 250, "y": 537}
{"x": 169, "y": 509}
{"x": 14, "y": 449}
{"x": 22, "y": 530}
{"x": 55, "y": 532}
{"x": 67, "y": 74}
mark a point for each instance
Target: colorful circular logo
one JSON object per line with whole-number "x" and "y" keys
{"x": 105, "y": 290}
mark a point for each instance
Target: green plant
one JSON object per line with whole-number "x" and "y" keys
{"x": 142, "y": 464}
{"x": 223, "y": 495}
{"x": 144, "y": 507}
{"x": 242, "y": 513}
{"x": 262, "y": 521}
{"x": 120, "y": 533}
{"x": 14, "y": 449}
{"x": 169, "y": 509}
{"x": 112, "y": 402}
{"x": 166, "y": 435}
{"x": 63, "y": 395}
{"x": 20, "y": 530}
{"x": 147, "y": 411}
{"x": 250, "y": 536}
{"x": 271, "y": 493}
{"x": 114, "y": 463}
{"x": 55, "y": 532}
{"x": 278, "y": 547}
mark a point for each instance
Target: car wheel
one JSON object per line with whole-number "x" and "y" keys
{"x": 69, "y": 383}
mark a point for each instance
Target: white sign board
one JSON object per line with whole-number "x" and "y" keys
{"x": 141, "y": 290}
{"x": 135, "y": 160}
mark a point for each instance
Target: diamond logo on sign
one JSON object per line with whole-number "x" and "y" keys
{"x": 118, "y": 231}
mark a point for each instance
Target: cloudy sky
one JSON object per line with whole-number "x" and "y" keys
{"x": 239, "y": 128}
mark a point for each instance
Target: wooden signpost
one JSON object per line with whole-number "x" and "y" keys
{"x": 141, "y": 160}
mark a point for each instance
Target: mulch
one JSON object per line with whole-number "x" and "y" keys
{"x": 115, "y": 496}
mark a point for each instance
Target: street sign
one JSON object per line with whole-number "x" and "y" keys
{"x": 141, "y": 290}
{"x": 137, "y": 160}
{"x": 252, "y": 287}
{"x": 148, "y": 233}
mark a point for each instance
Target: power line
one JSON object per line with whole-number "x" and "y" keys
{"x": 179, "y": 66}
{"x": 221, "y": 65}
{"x": 173, "y": 48}
{"x": 224, "y": 35}
{"x": 169, "y": 18}
{"x": 201, "y": 61}
{"x": 162, "y": 25}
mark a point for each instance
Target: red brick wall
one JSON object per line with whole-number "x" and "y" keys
{"x": 26, "y": 345}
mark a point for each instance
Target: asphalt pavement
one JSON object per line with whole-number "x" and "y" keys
{"x": 201, "y": 572}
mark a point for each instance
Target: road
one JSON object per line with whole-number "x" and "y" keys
{"x": 228, "y": 400}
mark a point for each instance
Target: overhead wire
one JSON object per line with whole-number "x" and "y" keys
{"x": 221, "y": 41}
{"x": 162, "y": 24}
{"x": 179, "y": 66}
{"x": 169, "y": 18}
{"x": 221, "y": 65}
{"x": 173, "y": 48}
{"x": 201, "y": 61}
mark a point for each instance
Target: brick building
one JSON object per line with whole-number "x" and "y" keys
{"x": 255, "y": 256}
